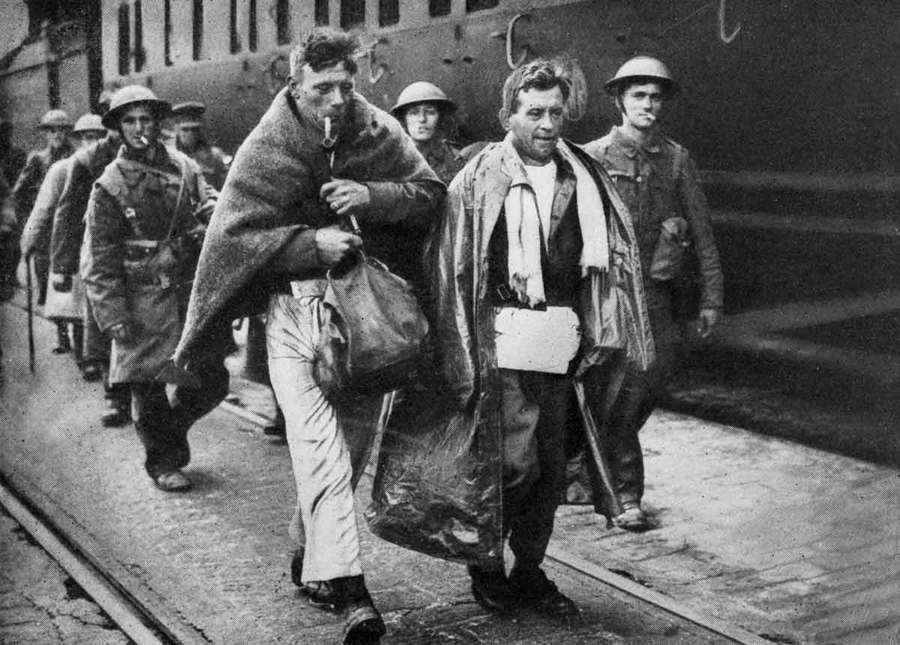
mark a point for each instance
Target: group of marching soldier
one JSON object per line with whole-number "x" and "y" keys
{"x": 543, "y": 264}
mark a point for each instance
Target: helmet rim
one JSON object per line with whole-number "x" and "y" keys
{"x": 130, "y": 96}
{"x": 646, "y": 67}
{"x": 421, "y": 92}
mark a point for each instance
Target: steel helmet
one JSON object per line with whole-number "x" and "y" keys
{"x": 643, "y": 67}
{"x": 56, "y": 119}
{"x": 103, "y": 101}
{"x": 189, "y": 114}
{"x": 422, "y": 92}
{"x": 130, "y": 95}
{"x": 89, "y": 123}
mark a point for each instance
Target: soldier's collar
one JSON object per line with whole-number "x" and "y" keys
{"x": 632, "y": 147}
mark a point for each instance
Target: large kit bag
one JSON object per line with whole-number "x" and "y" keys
{"x": 375, "y": 339}
{"x": 437, "y": 488}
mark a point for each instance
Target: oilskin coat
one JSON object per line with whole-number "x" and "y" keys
{"x": 440, "y": 480}
{"x": 143, "y": 240}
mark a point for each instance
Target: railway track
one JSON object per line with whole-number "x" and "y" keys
{"x": 135, "y": 609}
{"x": 147, "y": 618}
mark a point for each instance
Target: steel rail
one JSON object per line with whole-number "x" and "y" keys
{"x": 600, "y": 574}
{"x": 148, "y": 626}
{"x": 116, "y": 606}
{"x": 654, "y": 598}
{"x": 133, "y": 606}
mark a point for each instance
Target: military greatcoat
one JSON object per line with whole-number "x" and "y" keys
{"x": 144, "y": 229}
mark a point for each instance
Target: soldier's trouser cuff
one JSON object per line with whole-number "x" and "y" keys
{"x": 163, "y": 436}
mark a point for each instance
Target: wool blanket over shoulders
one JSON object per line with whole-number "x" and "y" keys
{"x": 271, "y": 195}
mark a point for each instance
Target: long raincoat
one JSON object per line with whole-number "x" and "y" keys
{"x": 439, "y": 483}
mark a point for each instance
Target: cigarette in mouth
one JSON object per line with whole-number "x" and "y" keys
{"x": 327, "y": 140}
{"x": 144, "y": 140}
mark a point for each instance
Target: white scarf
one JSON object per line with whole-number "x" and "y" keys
{"x": 523, "y": 231}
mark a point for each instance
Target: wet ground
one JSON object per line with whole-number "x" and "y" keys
{"x": 39, "y": 603}
{"x": 792, "y": 543}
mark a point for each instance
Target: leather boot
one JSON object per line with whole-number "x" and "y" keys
{"x": 116, "y": 415}
{"x": 276, "y": 429}
{"x": 490, "y": 588}
{"x": 363, "y": 624}
{"x": 63, "y": 344}
{"x": 632, "y": 518}
{"x": 532, "y": 589}
{"x": 78, "y": 342}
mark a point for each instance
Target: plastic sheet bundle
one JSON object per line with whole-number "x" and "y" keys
{"x": 438, "y": 485}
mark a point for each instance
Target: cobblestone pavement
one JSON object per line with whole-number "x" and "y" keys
{"x": 793, "y": 543}
{"x": 220, "y": 554}
{"x": 39, "y": 603}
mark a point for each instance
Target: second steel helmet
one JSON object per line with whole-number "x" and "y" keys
{"x": 189, "y": 114}
{"x": 56, "y": 119}
{"x": 103, "y": 101}
{"x": 131, "y": 95}
{"x": 643, "y": 67}
{"x": 89, "y": 123}
{"x": 422, "y": 92}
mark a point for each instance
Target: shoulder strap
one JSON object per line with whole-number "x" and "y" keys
{"x": 678, "y": 156}
{"x": 112, "y": 181}
{"x": 183, "y": 166}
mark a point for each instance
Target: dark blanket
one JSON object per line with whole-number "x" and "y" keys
{"x": 271, "y": 195}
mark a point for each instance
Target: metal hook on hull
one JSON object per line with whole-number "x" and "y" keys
{"x": 726, "y": 38}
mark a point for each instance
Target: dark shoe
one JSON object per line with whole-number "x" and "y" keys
{"x": 532, "y": 589}
{"x": 490, "y": 588}
{"x": 276, "y": 429}
{"x": 297, "y": 567}
{"x": 632, "y": 518}
{"x": 173, "y": 481}
{"x": 115, "y": 416}
{"x": 91, "y": 373}
{"x": 363, "y": 624}
{"x": 63, "y": 343}
{"x": 322, "y": 594}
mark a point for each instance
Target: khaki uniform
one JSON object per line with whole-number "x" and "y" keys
{"x": 25, "y": 193}
{"x": 657, "y": 182}
{"x": 444, "y": 159}
{"x": 212, "y": 163}
{"x": 144, "y": 230}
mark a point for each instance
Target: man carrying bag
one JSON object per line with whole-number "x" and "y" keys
{"x": 275, "y": 233}
{"x": 537, "y": 287}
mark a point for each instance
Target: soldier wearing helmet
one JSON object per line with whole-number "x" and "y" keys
{"x": 425, "y": 113}
{"x": 145, "y": 221}
{"x": 190, "y": 138}
{"x": 55, "y": 126}
{"x": 8, "y": 251}
{"x": 65, "y": 308}
{"x": 12, "y": 158}
{"x": 85, "y": 167}
{"x": 658, "y": 182}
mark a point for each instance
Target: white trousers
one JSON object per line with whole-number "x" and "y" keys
{"x": 323, "y": 460}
